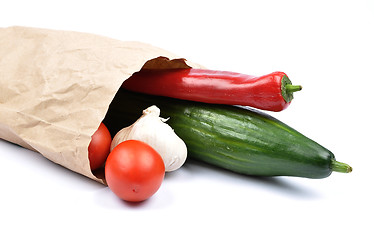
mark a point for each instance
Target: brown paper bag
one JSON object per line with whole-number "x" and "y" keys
{"x": 56, "y": 87}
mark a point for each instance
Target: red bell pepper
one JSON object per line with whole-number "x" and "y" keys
{"x": 272, "y": 92}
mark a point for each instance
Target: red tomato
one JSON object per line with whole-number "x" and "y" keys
{"x": 99, "y": 147}
{"x": 134, "y": 171}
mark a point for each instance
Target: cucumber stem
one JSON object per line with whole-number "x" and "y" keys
{"x": 340, "y": 167}
{"x": 293, "y": 88}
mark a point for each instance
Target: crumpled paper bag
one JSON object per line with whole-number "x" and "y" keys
{"x": 56, "y": 87}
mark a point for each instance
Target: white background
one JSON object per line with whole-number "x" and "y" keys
{"x": 324, "y": 45}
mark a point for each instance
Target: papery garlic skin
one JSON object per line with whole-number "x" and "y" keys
{"x": 153, "y": 130}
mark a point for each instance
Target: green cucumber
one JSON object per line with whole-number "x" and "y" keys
{"x": 239, "y": 139}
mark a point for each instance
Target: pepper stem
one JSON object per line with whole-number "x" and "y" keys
{"x": 340, "y": 167}
{"x": 293, "y": 88}
{"x": 287, "y": 88}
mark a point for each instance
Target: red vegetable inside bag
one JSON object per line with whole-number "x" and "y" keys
{"x": 99, "y": 147}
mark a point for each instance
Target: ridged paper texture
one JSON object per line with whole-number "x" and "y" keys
{"x": 56, "y": 87}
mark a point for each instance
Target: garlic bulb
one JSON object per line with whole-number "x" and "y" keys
{"x": 152, "y": 129}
